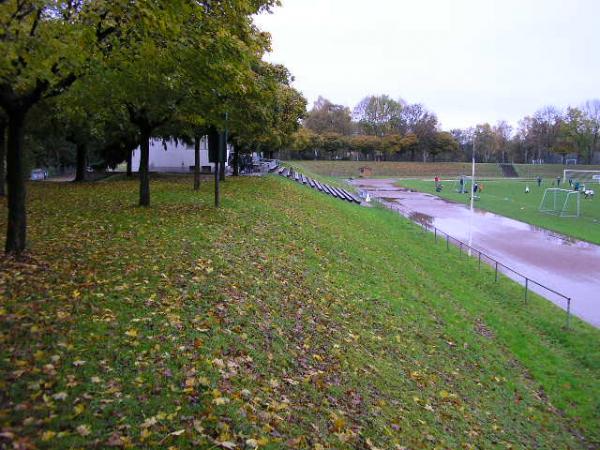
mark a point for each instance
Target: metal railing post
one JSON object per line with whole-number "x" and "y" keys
{"x": 496, "y": 271}
{"x": 435, "y": 234}
{"x": 526, "y": 288}
{"x": 479, "y": 261}
{"x": 568, "y": 311}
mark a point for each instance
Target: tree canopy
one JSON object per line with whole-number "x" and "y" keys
{"x": 122, "y": 71}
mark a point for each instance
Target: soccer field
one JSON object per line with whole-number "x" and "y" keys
{"x": 509, "y": 199}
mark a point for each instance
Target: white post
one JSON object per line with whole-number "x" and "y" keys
{"x": 473, "y": 176}
{"x": 472, "y": 195}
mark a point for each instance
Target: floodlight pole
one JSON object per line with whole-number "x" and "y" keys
{"x": 473, "y": 174}
{"x": 472, "y": 195}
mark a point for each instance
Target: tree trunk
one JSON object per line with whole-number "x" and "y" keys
{"x": 129, "y": 168}
{"x": 143, "y": 170}
{"x": 222, "y": 167}
{"x": 16, "y": 231}
{"x": 217, "y": 189}
{"x": 2, "y": 158}
{"x": 236, "y": 161}
{"x": 196, "y": 163}
{"x": 81, "y": 157}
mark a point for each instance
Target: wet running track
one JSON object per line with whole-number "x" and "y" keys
{"x": 564, "y": 264}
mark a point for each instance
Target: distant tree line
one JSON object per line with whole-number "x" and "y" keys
{"x": 381, "y": 128}
{"x": 549, "y": 135}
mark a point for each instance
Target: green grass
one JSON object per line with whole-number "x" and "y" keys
{"x": 549, "y": 170}
{"x": 395, "y": 169}
{"x": 508, "y": 198}
{"x": 330, "y": 180}
{"x": 286, "y": 319}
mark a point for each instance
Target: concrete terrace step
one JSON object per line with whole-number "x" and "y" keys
{"x": 508, "y": 170}
{"x": 339, "y": 193}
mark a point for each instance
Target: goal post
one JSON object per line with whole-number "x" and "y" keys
{"x": 463, "y": 187}
{"x": 582, "y": 176}
{"x": 561, "y": 202}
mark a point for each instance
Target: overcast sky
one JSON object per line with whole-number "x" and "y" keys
{"x": 469, "y": 61}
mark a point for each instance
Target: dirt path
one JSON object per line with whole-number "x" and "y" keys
{"x": 564, "y": 264}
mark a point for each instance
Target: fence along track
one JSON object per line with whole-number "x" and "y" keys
{"x": 481, "y": 255}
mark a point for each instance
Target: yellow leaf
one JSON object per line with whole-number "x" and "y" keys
{"x": 220, "y": 401}
{"x": 145, "y": 434}
{"x": 132, "y": 333}
{"x": 203, "y": 381}
{"x": 338, "y": 424}
{"x": 47, "y": 435}
{"x": 149, "y": 422}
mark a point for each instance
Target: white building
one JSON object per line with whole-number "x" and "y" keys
{"x": 175, "y": 157}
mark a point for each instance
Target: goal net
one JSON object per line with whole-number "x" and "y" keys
{"x": 562, "y": 202}
{"x": 583, "y": 177}
{"x": 463, "y": 184}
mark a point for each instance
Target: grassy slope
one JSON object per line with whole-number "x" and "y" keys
{"x": 508, "y": 198}
{"x": 549, "y": 170}
{"x": 395, "y": 169}
{"x": 443, "y": 169}
{"x": 266, "y": 324}
{"x": 330, "y": 180}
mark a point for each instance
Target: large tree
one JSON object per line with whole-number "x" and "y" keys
{"x": 591, "y": 111}
{"x": 46, "y": 45}
{"x": 486, "y": 144}
{"x": 198, "y": 58}
{"x": 3, "y": 125}
{"x": 503, "y": 132}
{"x": 378, "y": 115}
{"x": 326, "y": 116}
{"x": 443, "y": 142}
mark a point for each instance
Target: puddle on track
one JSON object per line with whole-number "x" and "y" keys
{"x": 564, "y": 264}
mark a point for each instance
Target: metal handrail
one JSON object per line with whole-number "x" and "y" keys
{"x": 495, "y": 262}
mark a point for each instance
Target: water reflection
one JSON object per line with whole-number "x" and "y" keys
{"x": 563, "y": 263}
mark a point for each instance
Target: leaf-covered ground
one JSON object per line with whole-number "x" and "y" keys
{"x": 286, "y": 319}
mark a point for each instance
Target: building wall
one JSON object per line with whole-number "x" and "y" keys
{"x": 178, "y": 157}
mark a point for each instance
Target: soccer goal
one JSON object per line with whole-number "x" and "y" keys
{"x": 562, "y": 202}
{"x": 463, "y": 184}
{"x": 584, "y": 177}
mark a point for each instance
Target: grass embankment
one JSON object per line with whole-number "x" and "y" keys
{"x": 330, "y": 180}
{"x": 286, "y": 319}
{"x": 549, "y": 170}
{"x": 396, "y": 169}
{"x": 509, "y": 199}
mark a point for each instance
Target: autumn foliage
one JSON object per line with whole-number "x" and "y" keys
{"x": 265, "y": 325}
